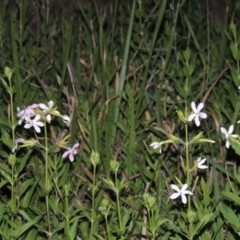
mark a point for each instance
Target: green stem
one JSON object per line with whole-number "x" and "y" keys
{"x": 188, "y": 171}
{"x": 46, "y": 180}
{"x": 93, "y": 200}
{"x": 187, "y": 164}
{"x": 151, "y": 215}
{"x": 13, "y": 203}
{"x": 66, "y": 206}
{"x": 108, "y": 230}
{"x": 118, "y": 204}
{"x": 13, "y": 196}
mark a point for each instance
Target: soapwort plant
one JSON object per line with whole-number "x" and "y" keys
{"x": 185, "y": 190}
{"x": 34, "y": 119}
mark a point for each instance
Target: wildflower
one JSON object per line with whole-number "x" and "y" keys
{"x": 200, "y": 163}
{"x": 48, "y": 109}
{"x": 227, "y": 134}
{"x": 65, "y": 118}
{"x": 16, "y": 142}
{"x": 35, "y": 123}
{"x": 156, "y": 145}
{"x": 180, "y": 192}
{"x": 71, "y": 152}
{"x": 197, "y": 113}
{"x": 26, "y": 112}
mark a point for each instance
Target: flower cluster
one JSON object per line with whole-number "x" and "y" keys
{"x": 34, "y": 115}
{"x": 195, "y": 116}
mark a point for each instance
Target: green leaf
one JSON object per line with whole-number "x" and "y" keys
{"x": 161, "y": 222}
{"x": 186, "y": 54}
{"x": 205, "y": 220}
{"x": 206, "y": 193}
{"x": 235, "y": 145}
{"x": 231, "y": 196}
{"x": 5, "y": 168}
{"x": 6, "y": 138}
{"x": 126, "y": 217}
{"x": 73, "y": 228}
{"x": 230, "y": 216}
{"x": 23, "y": 161}
{"x": 28, "y": 196}
{"x": 6, "y": 176}
{"x": 32, "y": 234}
{"x": 19, "y": 231}
{"x": 66, "y": 237}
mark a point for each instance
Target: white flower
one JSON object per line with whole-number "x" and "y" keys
{"x": 48, "y": 109}
{"x": 201, "y": 162}
{"x": 35, "y": 123}
{"x": 156, "y": 145}
{"x": 227, "y": 134}
{"x": 66, "y": 119}
{"x": 197, "y": 113}
{"x": 180, "y": 192}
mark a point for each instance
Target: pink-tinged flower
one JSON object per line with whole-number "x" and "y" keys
{"x": 197, "y": 114}
{"x": 48, "y": 109}
{"x": 71, "y": 151}
{"x": 26, "y": 112}
{"x": 35, "y": 123}
{"x": 227, "y": 134}
{"x": 16, "y": 142}
{"x": 180, "y": 192}
{"x": 200, "y": 163}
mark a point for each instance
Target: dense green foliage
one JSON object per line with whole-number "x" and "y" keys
{"x": 126, "y": 73}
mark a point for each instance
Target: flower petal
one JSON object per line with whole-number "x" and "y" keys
{"x": 37, "y": 117}
{"x": 188, "y": 192}
{"x": 37, "y": 128}
{"x": 71, "y": 158}
{"x": 224, "y": 131}
{"x": 175, "y": 187}
{"x": 202, "y": 115}
{"x": 48, "y": 117}
{"x": 155, "y": 145}
{"x": 75, "y": 145}
{"x": 43, "y": 106}
{"x": 231, "y": 128}
{"x": 184, "y": 199}
{"x": 197, "y": 121}
{"x": 175, "y": 195}
{"x": 65, "y": 154}
{"x": 200, "y": 107}
{"x": 184, "y": 187}
{"x": 50, "y": 104}
{"x": 193, "y": 105}
{"x": 27, "y": 125}
{"x": 191, "y": 117}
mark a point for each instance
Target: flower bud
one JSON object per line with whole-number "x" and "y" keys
{"x": 95, "y": 158}
{"x": 114, "y": 165}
